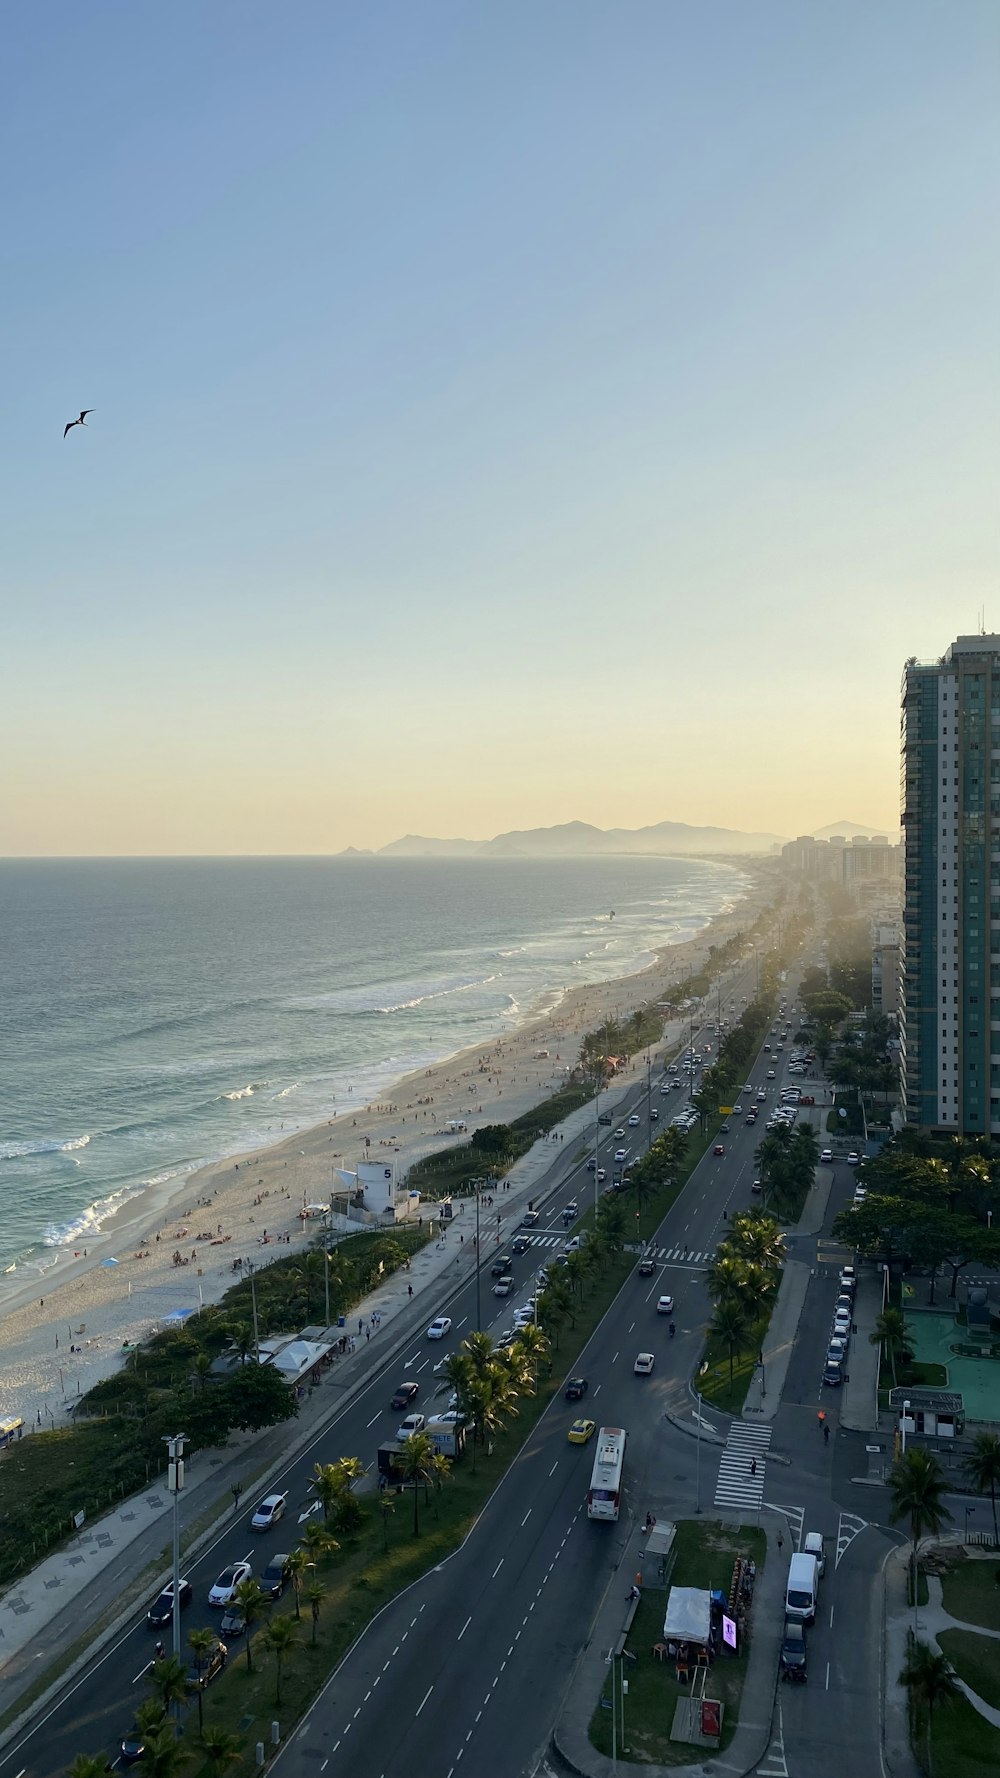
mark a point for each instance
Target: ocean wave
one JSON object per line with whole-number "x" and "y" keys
{"x": 19, "y": 1151}
{"x": 286, "y": 1090}
{"x": 379, "y": 1000}
{"x": 247, "y": 1092}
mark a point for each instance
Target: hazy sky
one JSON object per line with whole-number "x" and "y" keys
{"x": 505, "y": 413}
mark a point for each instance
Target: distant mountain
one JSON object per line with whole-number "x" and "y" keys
{"x": 848, "y": 829}
{"x": 577, "y": 839}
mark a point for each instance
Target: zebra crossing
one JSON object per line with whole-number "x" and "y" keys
{"x": 742, "y": 1466}
{"x": 681, "y": 1255}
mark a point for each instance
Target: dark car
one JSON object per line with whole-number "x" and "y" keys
{"x": 161, "y": 1612}
{"x": 202, "y": 1672}
{"x": 646, "y": 1268}
{"x": 793, "y": 1652}
{"x": 501, "y": 1265}
{"x": 833, "y": 1373}
{"x": 234, "y": 1621}
{"x": 275, "y": 1577}
{"x": 406, "y": 1393}
{"x": 576, "y": 1388}
{"x": 520, "y": 1244}
{"x": 529, "y": 1219}
{"x": 133, "y": 1747}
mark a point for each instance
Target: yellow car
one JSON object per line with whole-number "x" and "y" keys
{"x": 581, "y": 1431}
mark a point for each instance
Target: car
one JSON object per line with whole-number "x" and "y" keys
{"x": 664, "y": 1305}
{"x": 860, "y": 1194}
{"x": 576, "y": 1388}
{"x": 203, "y": 1671}
{"x": 406, "y": 1393}
{"x": 276, "y": 1576}
{"x": 523, "y": 1318}
{"x": 757, "y": 1188}
{"x": 770, "y": 1074}
{"x": 224, "y": 1590}
{"x": 439, "y": 1327}
{"x": 724, "y": 1129}
{"x": 591, "y": 1165}
{"x": 503, "y": 1286}
{"x": 501, "y": 1265}
{"x": 621, "y": 1155}
{"x": 161, "y": 1612}
{"x": 654, "y": 1115}
{"x": 620, "y": 1134}
{"x": 854, "y": 1159}
{"x": 767, "y": 1046}
{"x": 581, "y": 1431}
{"x": 826, "y": 1157}
{"x": 833, "y": 1373}
{"x": 644, "y": 1364}
{"x": 529, "y": 1219}
{"x": 270, "y": 1510}
{"x": 571, "y": 1246}
{"x": 520, "y": 1244}
{"x": 413, "y": 1423}
{"x": 234, "y": 1621}
{"x": 737, "y": 1111}
{"x": 647, "y": 1267}
{"x": 602, "y": 1174}
{"x": 793, "y": 1651}
{"x": 841, "y": 1329}
{"x": 837, "y": 1349}
{"x": 749, "y": 1087}
{"x": 133, "y": 1746}
{"x": 751, "y": 1119}
{"x": 848, "y": 1278}
{"x": 720, "y": 1148}
{"x": 844, "y": 1304}
{"x": 761, "y": 1095}
{"x": 571, "y": 1211}
{"x": 633, "y": 1122}
{"x": 505, "y": 1339}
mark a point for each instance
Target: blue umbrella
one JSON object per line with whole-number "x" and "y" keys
{"x": 109, "y": 1262}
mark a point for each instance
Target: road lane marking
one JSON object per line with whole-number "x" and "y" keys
{"x": 527, "y": 1516}
{"x": 552, "y": 1471}
{"x": 465, "y": 1626}
{"x": 461, "y": 1324}
{"x": 423, "y": 1700}
{"x": 497, "y": 1569}
{"x": 395, "y": 1651}
{"x": 615, "y": 1359}
{"x": 372, "y": 1422}
{"x": 597, "y": 1391}
{"x": 632, "y": 1328}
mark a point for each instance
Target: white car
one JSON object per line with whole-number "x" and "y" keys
{"x": 413, "y": 1423}
{"x": 439, "y": 1327}
{"x": 826, "y": 1157}
{"x": 633, "y": 1122}
{"x": 643, "y": 1364}
{"x": 664, "y": 1305}
{"x": 224, "y": 1590}
{"x": 269, "y": 1512}
{"x": 854, "y": 1159}
{"x": 503, "y": 1287}
{"x": 737, "y": 1111}
{"x": 523, "y": 1318}
{"x": 571, "y": 1246}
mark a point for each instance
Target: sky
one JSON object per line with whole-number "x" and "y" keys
{"x": 504, "y": 414}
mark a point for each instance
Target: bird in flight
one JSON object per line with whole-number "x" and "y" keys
{"x": 82, "y": 421}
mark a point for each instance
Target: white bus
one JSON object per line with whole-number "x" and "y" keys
{"x": 605, "y": 1497}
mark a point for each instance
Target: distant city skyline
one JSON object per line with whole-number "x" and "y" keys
{"x": 495, "y": 417}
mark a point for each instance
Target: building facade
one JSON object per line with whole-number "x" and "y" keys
{"x": 950, "y": 787}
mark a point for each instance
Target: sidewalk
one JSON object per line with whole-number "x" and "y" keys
{"x": 125, "y": 1555}
{"x": 753, "y": 1733}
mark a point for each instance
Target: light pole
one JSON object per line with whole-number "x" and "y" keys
{"x": 175, "y": 1482}
{"x": 479, "y": 1261}
{"x": 697, "y": 1458}
{"x": 906, "y": 1413}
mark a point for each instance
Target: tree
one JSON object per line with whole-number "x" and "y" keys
{"x": 730, "y": 1325}
{"x": 253, "y": 1602}
{"x": 280, "y": 1637}
{"x": 168, "y": 1681}
{"x": 916, "y": 1486}
{"x": 315, "y": 1594}
{"x": 439, "y": 1470}
{"x": 495, "y": 1142}
{"x": 319, "y": 1541}
{"x": 534, "y": 1344}
{"x": 983, "y": 1468}
{"x": 930, "y": 1680}
{"x": 163, "y": 1756}
{"x": 87, "y": 1765}
{"x": 386, "y": 1506}
{"x": 201, "y": 1642}
{"x": 256, "y": 1396}
{"x": 414, "y": 1460}
{"x": 221, "y": 1749}
{"x": 298, "y": 1563}
{"x": 892, "y": 1332}
{"x": 726, "y": 1276}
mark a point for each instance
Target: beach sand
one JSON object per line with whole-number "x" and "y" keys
{"x": 64, "y": 1329}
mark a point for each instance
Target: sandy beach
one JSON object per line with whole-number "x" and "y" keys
{"x": 174, "y": 1247}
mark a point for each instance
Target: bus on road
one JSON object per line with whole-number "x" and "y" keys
{"x": 605, "y": 1497}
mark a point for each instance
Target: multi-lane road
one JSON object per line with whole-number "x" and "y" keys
{"x": 467, "y": 1671}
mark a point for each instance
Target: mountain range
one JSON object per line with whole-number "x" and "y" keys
{"x": 576, "y": 839}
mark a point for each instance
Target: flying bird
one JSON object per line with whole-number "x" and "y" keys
{"x": 82, "y": 421}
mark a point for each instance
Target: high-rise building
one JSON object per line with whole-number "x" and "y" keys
{"x": 950, "y": 771}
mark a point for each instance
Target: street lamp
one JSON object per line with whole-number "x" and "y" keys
{"x": 175, "y": 1482}
{"x": 906, "y": 1415}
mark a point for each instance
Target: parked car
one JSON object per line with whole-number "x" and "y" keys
{"x": 224, "y": 1590}
{"x": 269, "y": 1512}
{"x": 406, "y": 1393}
{"x": 793, "y": 1652}
{"x": 234, "y": 1622}
{"x": 826, "y": 1156}
{"x": 854, "y": 1159}
{"x": 413, "y": 1423}
{"x": 833, "y": 1373}
{"x": 203, "y": 1671}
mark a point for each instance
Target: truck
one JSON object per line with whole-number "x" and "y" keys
{"x": 447, "y": 1436}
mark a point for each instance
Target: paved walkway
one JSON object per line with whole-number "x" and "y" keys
{"x": 932, "y": 1618}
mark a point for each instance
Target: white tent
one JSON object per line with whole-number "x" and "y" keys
{"x": 689, "y": 1615}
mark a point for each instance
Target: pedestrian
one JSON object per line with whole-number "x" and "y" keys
{"x": 368, "y": 1334}
{"x": 781, "y": 1543}
{"x": 409, "y": 1290}
{"x": 826, "y": 1433}
{"x": 361, "y": 1323}
{"x": 753, "y": 1466}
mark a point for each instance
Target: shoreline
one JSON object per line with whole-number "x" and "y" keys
{"x": 64, "y": 1329}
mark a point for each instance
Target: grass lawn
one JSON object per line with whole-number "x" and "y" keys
{"x": 975, "y": 1659}
{"x": 963, "y": 1743}
{"x": 703, "y": 1557}
{"x": 972, "y": 1595}
{"x": 364, "y": 1575}
{"x": 714, "y": 1384}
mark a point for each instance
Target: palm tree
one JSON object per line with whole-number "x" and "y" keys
{"x": 439, "y": 1470}
{"x": 163, "y": 1754}
{"x": 891, "y": 1332}
{"x": 414, "y": 1458}
{"x": 201, "y": 1371}
{"x": 533, "y": 1343}
{"x": 220, "y": 1749}
{"x": 168, "y": 1681}
{"x": 930, "y": 1679}
{"x": 297, "y": 1562}
{"x": 315, "y": 1594}
{"x": 280, "y": 1637}
{"x": 730, "y": 1325}
{"x": 916, "y": 1486}
{"x": 758, "y": 1239}
{"x": 87, "y": 1765}
{"x": 726, "y": 1276}
{"x": 202, "y": 1642}
{"x": 318, "y": 1541}
{"x": 386, "y": 1506}
{"x": 984, "y": 1469}
{"x": 481, "y": 1352}
{"x": 326, "y": 1487}
{"x": 253, "y": 1602}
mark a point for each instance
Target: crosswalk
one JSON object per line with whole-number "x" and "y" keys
{"x": 741, "y": 1469}
{"x": 682, "y": 1255}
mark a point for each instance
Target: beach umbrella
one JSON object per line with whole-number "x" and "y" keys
{"x": 109, "y": 1262}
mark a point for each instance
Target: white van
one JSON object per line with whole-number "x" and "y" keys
{"x": 802, "y": 1588}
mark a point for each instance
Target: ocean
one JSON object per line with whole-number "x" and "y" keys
{"x": 158, "y": 1014}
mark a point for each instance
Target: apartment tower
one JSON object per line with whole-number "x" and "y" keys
{"x": 950, "y": 999}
